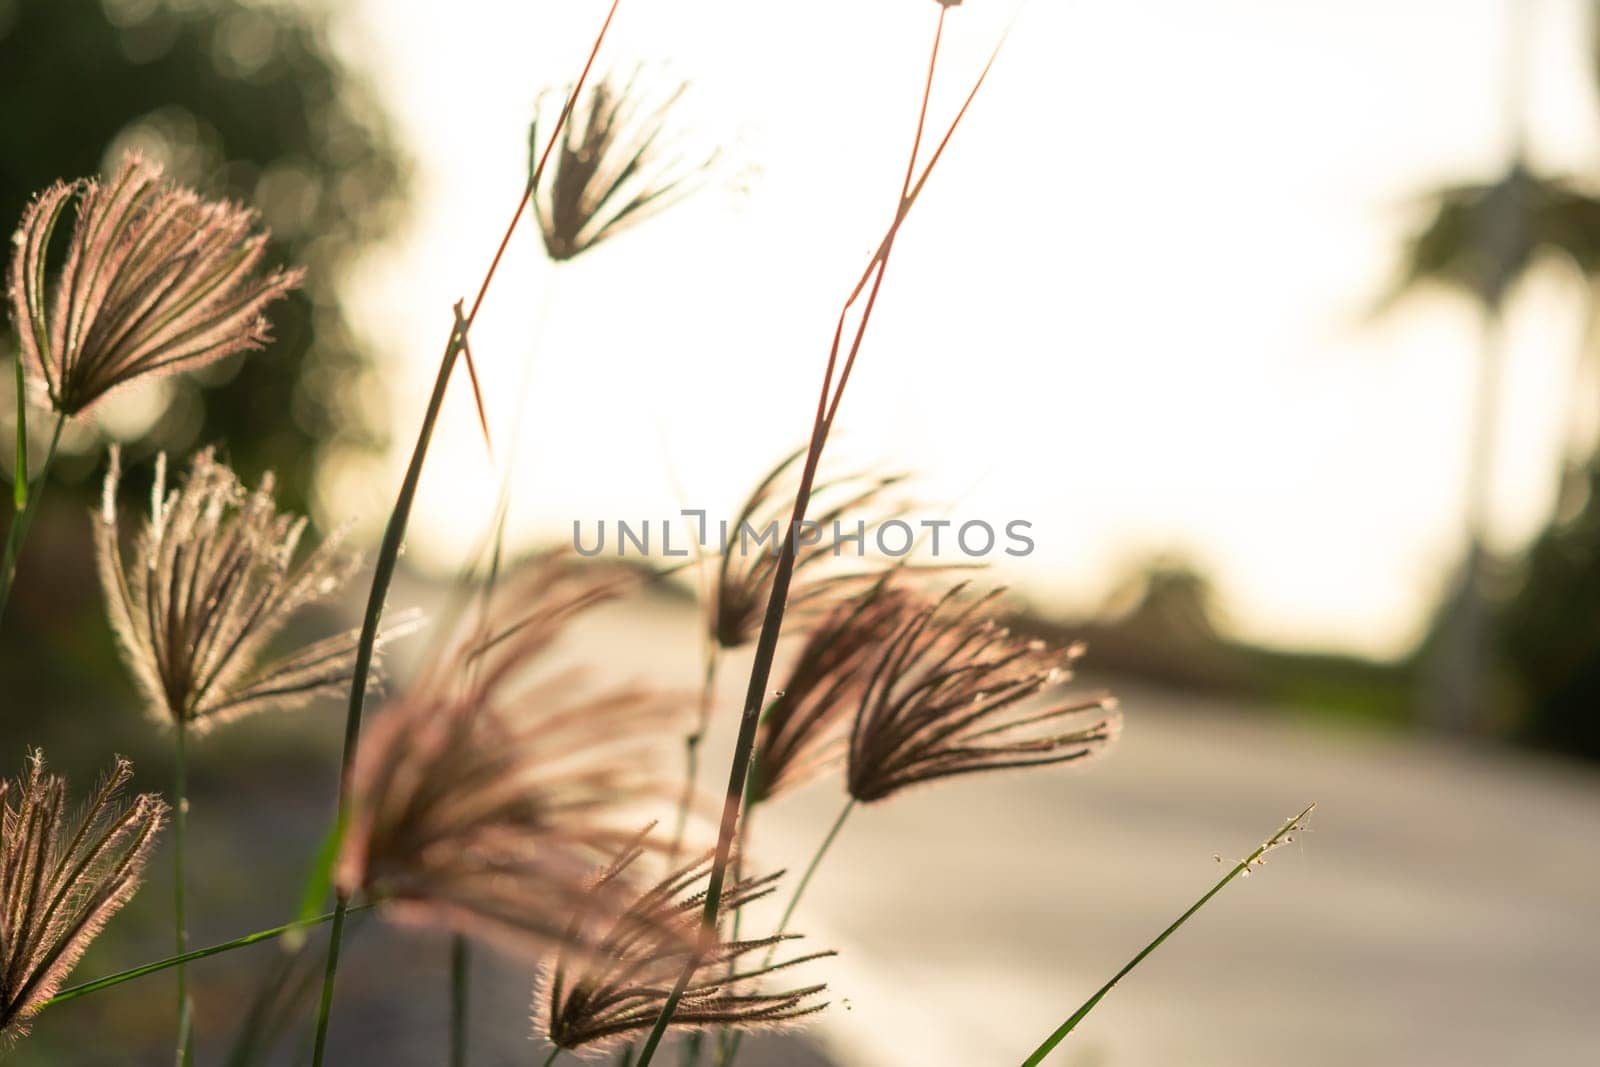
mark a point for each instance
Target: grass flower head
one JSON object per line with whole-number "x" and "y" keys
{"x": 753, "y": 543}
{"x": 802, "y": 730}
{"x": 617, "y": 990}
{"x": 954, "y": 692}
{"x": 619, "y": 163}
{"x": 486, "y": 795}
{"x": 63, "y": 875}
{"x": 156, "y": 279}
{"x": 212, "y": 580}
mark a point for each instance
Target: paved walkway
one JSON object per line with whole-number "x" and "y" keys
{"x": 1444, "y": 909}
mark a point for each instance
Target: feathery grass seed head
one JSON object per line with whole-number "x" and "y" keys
{"x": 63, "y": 875}
{"x": 485, "y": 796}
{"x": 748, "y": 567}
{"x": 802, "y": 730}
{"x": 616, "y": 991}
{"x": 618, "y": 163}
{"x": 954, "y": 692}
{"x": 211, "y": 581}
{"x": 156, "y": 279}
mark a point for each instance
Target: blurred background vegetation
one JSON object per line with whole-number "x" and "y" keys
{"x": 244, "y": 101}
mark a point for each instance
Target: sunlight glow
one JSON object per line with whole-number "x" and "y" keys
{"x": 1132, "y": 308}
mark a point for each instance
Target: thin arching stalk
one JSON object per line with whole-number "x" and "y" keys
{"x": 460, "y": 950}
{"x": 729, "y": 1048}
{"x": 691, "y": 745}
{"x": 711, "y": 653}
{"x": 28, "y": 504}
{"x": 394, "y": 535}
{"x": 811, "y": 868}
{"x": 1243, "y": 867}
{"x": 554, "y": 1055}
{"x": 502, "y": 509}
{"x": 85, "y": 988}
{"x": 772, "y": 622}
{"x": 180, "y": 819}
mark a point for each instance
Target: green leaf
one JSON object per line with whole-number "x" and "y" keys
{"x": 319, "y": 883}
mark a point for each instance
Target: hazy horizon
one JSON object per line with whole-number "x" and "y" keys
{"x": 1170, "y": 294}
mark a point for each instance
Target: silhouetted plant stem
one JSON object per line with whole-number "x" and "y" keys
{"x": 772, "y": 622}
{"x": 26, "y": 503}
{"x": 729, "y": 1045}
{"x": 554, "y": 1054}
{"x": 85, "y": 988}
{"x": 330, "y": 972}
{"x": 502, "y": 508}
{"x": 811, "y": 868}
{"x": 394, "y": 535}
{"x": 180, "y": 819}
{"x": 1242, "y": 867}
{"x": 460, "y": 959}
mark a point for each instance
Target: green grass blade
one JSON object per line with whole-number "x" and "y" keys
{"x": 1244, "y": 865}
{"x": 319, "y": 883}
{"x": 85, "y": 988}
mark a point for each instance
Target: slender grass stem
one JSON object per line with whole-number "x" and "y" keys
{"x": 711, "y": 654}
{"x": 329, "y": 974}
{"x": 691, "y": 747}
{"x": 766, "y": 647}
{"x": 1242, "y": 867}
{"x": 502, "y": 509}
{"x": 554, "y": 1053}
{"x": 811, "y": 869}
{"x": 729, "y": 1049}
{"x": 85, "y": 988}
{"x": 19, "y": 488}
{"x": 772, "y": 622}
{"x": 460, "y": 960}
{"x": 28, "y": 506}
{"x": 180, "y": 923}
{"x": 394, "y": 535}
{"x": 727, "y": 1038}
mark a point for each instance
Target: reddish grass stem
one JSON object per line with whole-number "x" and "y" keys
{"x": 772, "y": 622}
{"x": 394, "y": 534}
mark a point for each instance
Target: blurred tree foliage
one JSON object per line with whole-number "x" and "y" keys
{"x": 1550, "y": 632}
{"x": 240, "y": 99}
{"x": 1481, "y": 239}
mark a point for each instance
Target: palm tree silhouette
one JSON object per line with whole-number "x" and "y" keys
{"x": 1480, "y": 240}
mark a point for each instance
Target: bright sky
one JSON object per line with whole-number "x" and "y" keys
{"x": 1130, "y": 309}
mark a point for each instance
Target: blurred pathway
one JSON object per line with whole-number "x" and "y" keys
{"x": 1444, "y": 908}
